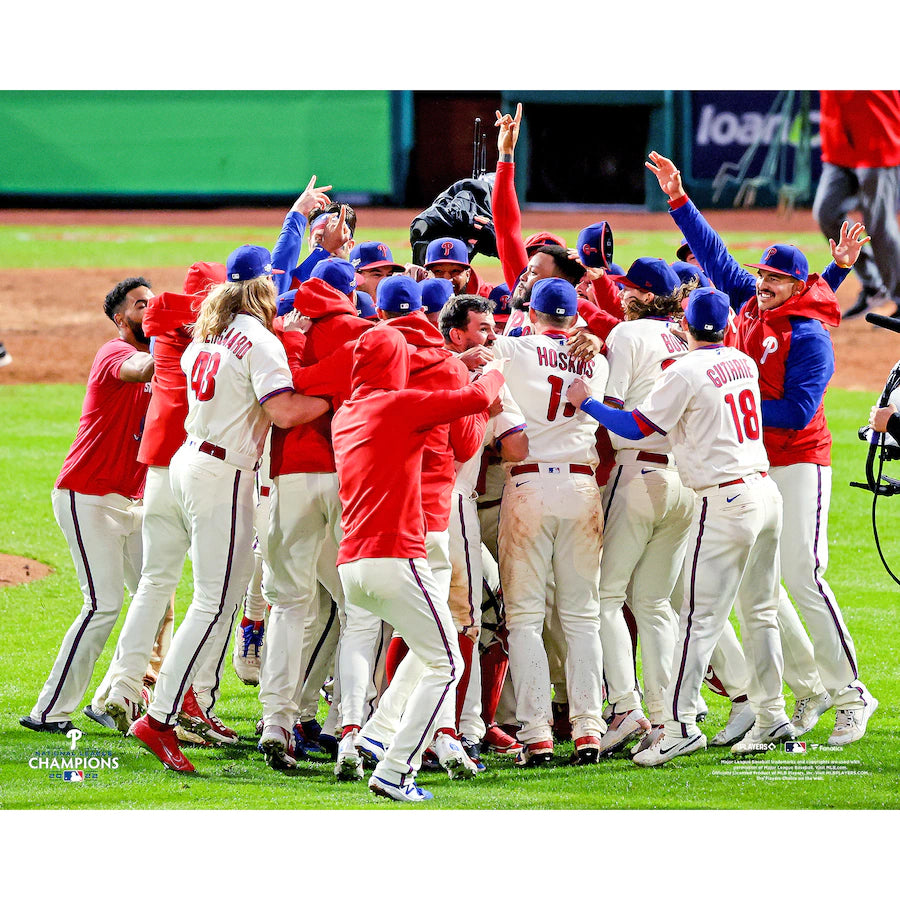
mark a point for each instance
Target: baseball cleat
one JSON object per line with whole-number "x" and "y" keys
{"x": 473, "y": 751}
{"x": 277, "y": 745}
{"x": 740, "y": 720}
{"x": 702, "y": 709}
{"x": 651, "y": 737}
{"x": 453, "y": 758}
{"x": 667, "y": 748}
{"x": 409, "y": 792}
{"x": 624, "y": 727}
{"x": 162, "y": 743}
{"x": 536, "y": 754}
{"x": 49, "y": 727}
{"x": 314, "y": 740}
{"x": 807, "y": 712}
{"x": 210, "y": 727}
{"x": 247, "y": 646}
{"x": 761, "y": 740}
{"x": 101, "y": 718}
{"x": 371, "y": 750}
{"x": 349, "y": 766}
{"x": 496, "y": 740}
{"x": 123, "y": 710}
{"x": 188, "y": 737}
{"x": 562, "y": 727}
{"x": 850, "y": 724}
{"x": 587, "y": 751}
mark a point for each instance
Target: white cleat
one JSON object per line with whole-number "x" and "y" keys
{"x": 622, "y": 728}
{"x": 850, "y": 724}
{"x": 369, "y": 748}
{"x": 740, "y": 720}
{"x": 761, "y": 740}
{"x": 453, "y": 757}
{"x": 409, "y": 792}
{"x": 124, "y": 711}
{"x": 277, "y": 745}
{"x": 349, "y": 765}
{"x": 807, "y": 712}
{"x": 667, "y": 748}
{"x": 651, "y": 737}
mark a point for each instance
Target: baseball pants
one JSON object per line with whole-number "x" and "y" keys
{"x": 305, "y": 507}
{"x": 731, "y": 561}
{"x": 404, "y": 593}
{"x": 806, "y": 489}
{"x": 104, "y": 538}
{"x": 647, "y": 515}
{"x": 217, "y": 506}
{"x": 551, "y": 522}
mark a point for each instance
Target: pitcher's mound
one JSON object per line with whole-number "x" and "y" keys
{"x": 20, "y": 570}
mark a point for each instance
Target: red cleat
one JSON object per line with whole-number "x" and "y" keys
{"x": 211, "y": 728}
{"x": 496, "y": 740}
{"x": 163, "y": 744}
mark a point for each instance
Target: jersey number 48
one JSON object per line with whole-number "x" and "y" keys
{"x": 203, "y": 374}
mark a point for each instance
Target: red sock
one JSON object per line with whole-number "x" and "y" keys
{"x": 157, "y": 725}
{"x": 348, "y": 729}
{"x": 245, "y": 622}
{"x": 466, "y": 648}
{"x": 397, "y": 650}
{"x": 494, "y": 663}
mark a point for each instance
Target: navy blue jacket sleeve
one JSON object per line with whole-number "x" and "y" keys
{"x": 807, "y": 371}
{"x": 834, "y": 275}
{"x": 717, "y": 263}
{"x": 287, "y": 249}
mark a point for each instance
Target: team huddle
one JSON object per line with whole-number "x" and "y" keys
{"x": 482, "y": 519}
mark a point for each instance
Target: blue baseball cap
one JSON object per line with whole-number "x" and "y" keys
{"x": 554, "y": 296}
{"x": 615, "y": 269}
{"x": 684, "y": 249}
{"x": 336, "y": 272}
{"x": 248, "y": 262}
{"x": 687, "y": 271}
{"x": 446, "y": 250}
{"x": 398, "y": 293}
{"x": 435, "y": 294}
{"x": 707, "y": 310}
{"x": 783, "y": 259}
{"x": 649, "y": 274}
{"x": 595, "y": 245}
{"x": 372, "y": 255}
{"x": 364, "y": 306}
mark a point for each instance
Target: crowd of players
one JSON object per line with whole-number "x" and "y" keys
{"x": 393, "y": 407}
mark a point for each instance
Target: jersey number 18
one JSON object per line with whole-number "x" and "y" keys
{"x": 746, "y": 418}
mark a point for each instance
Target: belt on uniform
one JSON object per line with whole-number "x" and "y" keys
{"x": 212, "y": 450}
{"x": 488, "y": 504}
{"x": 534, "y": 467}
{"x": 739, "y": 480}
{"x": 659, "y": 458}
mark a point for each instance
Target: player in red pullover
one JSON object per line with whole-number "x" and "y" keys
{"x": 305, "y": 513}
{"x": 379, "y": 440}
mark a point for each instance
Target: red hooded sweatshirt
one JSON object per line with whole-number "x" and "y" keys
{"x": 379, "y": 438}
{"x": 167, "y": 318}
{"x": 433, "y": 367}
{"x": 793, "y": 350}
{"x": 307, "y": 448}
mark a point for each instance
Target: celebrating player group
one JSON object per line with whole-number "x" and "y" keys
{"x": 480, "y": 519}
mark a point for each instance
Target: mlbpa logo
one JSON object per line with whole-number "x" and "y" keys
{"x": 795, "y": 746}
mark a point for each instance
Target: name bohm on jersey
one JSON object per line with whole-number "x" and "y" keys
{"x": 559, "y": 359}
{"x": 232, "y": 340}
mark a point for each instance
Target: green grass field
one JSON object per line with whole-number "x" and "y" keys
{"x": 38, "y": 424}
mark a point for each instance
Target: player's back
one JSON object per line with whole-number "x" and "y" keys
{"x": 538, "y": 373}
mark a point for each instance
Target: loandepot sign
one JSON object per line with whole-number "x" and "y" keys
{"x": 726, "y": 123}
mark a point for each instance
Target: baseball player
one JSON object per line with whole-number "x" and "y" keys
{"x": 647, "y": 509}
{"x": 466, "y": 322}
{"x": 379, "y": 440}
{"x": 781, "y": 317}
{"x": 97, "y": 502}
{"x": 305, "y": 509}
{"x": 708, "y": 404}
{"x": 238, "y": 383}
{"x": 373, "y": 261}
{"x": 551, "y": 521}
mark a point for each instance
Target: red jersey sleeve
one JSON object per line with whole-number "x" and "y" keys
{"x": 508, "y": 224}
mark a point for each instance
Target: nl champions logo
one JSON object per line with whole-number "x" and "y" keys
{"x": 74, "y": 766}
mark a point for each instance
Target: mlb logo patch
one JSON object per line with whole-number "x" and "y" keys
{"x": 73, "y": 775}
{"x": 795, "y": 746}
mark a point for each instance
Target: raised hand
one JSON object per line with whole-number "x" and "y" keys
{"x": 508, "y": 136}
{"x": 852, "y": 238}
{"x": 312, "y": 198}
{"x": 667, "y": 174}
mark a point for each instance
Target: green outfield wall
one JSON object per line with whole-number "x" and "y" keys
{"x": 193, "y": 144}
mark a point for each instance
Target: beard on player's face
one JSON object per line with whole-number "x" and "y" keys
{"x": 137, "y": 330}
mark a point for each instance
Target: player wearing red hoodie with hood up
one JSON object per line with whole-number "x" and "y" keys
{"x": 379, "y": 440}
{"x": 305, "y": 511}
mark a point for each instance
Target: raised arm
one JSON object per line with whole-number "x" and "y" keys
{"x": 504, "y": 203}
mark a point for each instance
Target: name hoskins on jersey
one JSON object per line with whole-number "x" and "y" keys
{"x": 559, "y": 359}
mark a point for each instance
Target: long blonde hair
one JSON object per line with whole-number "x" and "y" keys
{"x": 256, "y": 298}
